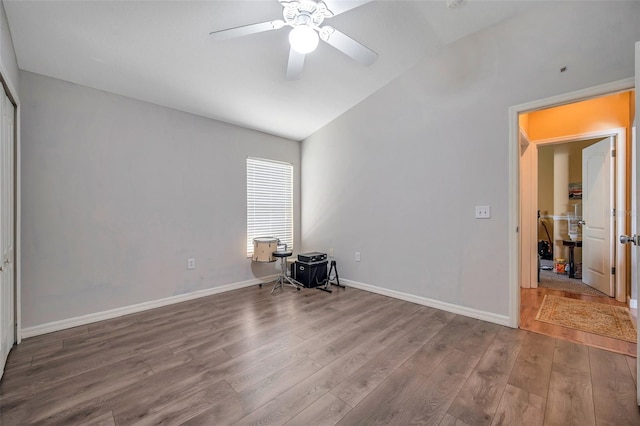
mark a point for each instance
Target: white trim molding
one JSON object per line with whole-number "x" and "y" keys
{"x": 140, "y": 307}
{"x": 444, "y": 306}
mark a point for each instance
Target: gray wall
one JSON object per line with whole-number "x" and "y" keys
{"x": 117, "y": 194}
{"x": 398, "y": 176}
{"x": 8, "y": 60}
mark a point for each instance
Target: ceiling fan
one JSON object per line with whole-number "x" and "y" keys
{"x": 306, "y": 17}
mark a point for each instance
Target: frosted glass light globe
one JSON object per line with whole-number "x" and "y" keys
{"x": 303, "y": 39}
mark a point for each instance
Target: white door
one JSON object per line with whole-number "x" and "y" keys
{"x": 598, "y": 250}
{"x": 7, "y": 229}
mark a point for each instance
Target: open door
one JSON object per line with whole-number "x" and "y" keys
{"x": 635, "y": 196}
{"x": 598, "y": 225}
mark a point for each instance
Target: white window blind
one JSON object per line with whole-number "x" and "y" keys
{"x": 269, "y": 201}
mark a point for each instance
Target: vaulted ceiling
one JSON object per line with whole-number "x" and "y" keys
{"x": 161, "y": 52}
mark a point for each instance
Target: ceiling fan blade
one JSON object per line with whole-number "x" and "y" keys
{"x": 359, "y": 52}
{"x": 340, "y": 6}
{"x": 294, "y": 67}
{"x": 246, "y": 30}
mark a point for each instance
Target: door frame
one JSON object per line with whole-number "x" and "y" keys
{"x": 620, "y": 137}
{"x": 515, "y": 173}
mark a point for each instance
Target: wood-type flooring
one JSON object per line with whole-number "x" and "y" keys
{"x": 311, "y": 358}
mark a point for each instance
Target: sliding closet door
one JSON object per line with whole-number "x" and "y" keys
{"x": 7, "y": 229}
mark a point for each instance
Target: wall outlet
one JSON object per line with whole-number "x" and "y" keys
{"x": 191, "y": 263}
{"x": 330, "y": 252}
{"x": 357, "y": 256}
{"x": 483, "y": 212}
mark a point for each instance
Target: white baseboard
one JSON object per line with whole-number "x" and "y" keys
{"x": 132, "y": 309}
{"x": 633, "y": 303}
{"x": 444, "y": 306}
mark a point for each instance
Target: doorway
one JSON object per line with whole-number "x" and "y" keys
{"x": 605, "y": 119}
{"x": 576, "y": 193}
{"x": 594, "y": 119}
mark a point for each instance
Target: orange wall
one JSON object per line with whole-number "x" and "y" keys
{"x": 582, "y": 117}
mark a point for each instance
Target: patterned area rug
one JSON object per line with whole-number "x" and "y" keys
{"x": 606, "y": 320}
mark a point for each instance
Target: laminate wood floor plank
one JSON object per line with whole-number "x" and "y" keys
{"x": 449, "y": 420}
{"x": 185, "y": 407}
{"x": 234, "y": 408}
{"x": 532, "y": 369}
{"x": 357, "y": 386}
{"x": 430, "y": 402}
{"x": 456, "y": 329}
{"x": 183, "y": 317}
{"x": 428, "y": 357}
{"x": 385, "y": 401}
{"x": 291, "y": 402}
{"x": 633, "y": 367}
{"x": 502, "y": 353}
{"x": 260, "y": 318}
{"x": 360, "y": 309}
{"x": 47, "y": 342}
{"x": 225, "y": 413}
{"x": 217, "y": 338}
{"x": 478, "y": 400}
{"x": 168, "y": 398}
{"x": 613, "y": 389}
{"x": 291, "y": 327}
{"x": 519, "y": 408}
{"x": 378, "y": 322}
{"x": 101, "y": 353}
{"x": 44, "y": 373}
{"x": 328, "y": 410}
{"x": 104, "y": 420}
{"x": 250, "y": 368}
{"x": 478, "y": 339}
{"x": 134, "y": 401}
{"x": 268, "y": 365}
{"x": 31, "y": 404}
{"x": 570, "y": 400}
{"x": 18, "y": 361}
{"x": 248, "y": 357}
{"x": 307, "y": 392}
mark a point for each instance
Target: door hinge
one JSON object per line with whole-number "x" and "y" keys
{"x": 613, "y": 270}
{"x": 613, "y": 152}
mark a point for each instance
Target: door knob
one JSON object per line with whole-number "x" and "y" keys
{"x": 625, "y": 239}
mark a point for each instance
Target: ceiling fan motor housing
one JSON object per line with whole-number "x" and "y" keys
{"x": 306, "y": 12}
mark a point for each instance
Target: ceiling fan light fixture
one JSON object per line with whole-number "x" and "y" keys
{"x": 303, "y": 39}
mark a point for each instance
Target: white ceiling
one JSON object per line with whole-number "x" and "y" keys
{"x": 161, "y": 52}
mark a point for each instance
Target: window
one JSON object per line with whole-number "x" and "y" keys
{"x": 269, "y": 201}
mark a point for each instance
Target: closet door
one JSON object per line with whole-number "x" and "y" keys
{"x": 7, "y": 229}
